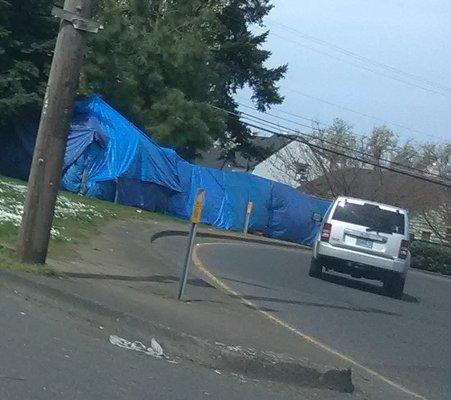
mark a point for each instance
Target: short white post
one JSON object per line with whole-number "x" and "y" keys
{"x": 247, "y": 219}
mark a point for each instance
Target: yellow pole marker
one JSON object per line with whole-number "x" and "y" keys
{"x": 197, "y": 207}
{"x": 195, "y": 219}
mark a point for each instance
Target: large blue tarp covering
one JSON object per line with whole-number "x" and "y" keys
{"x": 109, "y": 158}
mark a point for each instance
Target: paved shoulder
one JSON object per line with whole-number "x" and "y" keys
{"x": 48, "y": 354}
{"x": 405, "y": 341}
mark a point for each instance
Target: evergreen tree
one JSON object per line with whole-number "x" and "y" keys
{"x": 164, "y": 63}
{"x": 27, "y": 33}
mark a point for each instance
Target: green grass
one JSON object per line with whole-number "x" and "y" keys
{"x": 76, "y": 219}
{"x": 8, "y": 261}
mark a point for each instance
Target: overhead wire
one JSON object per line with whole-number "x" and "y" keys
{"x": 297, "y": 137}
{"x": 310, "y": 127}
{"x": 344, "y": 147}
{"x": 313, "y": 121}
{"x": 355, "y": 55}
{"x": 372, "y": 117}
{"x": 363, "y": 67}
{"x": 402, "y": 172}
{"x": 360, "y": 57}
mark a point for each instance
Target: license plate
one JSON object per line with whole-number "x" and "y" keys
{"x": 364, "y": 243}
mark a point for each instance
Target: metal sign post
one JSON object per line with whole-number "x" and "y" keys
{"x": 249, "y": 208}
{"x": 195, "y": 219}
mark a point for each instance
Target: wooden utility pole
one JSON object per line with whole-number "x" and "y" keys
{"x": 45, "y": 174}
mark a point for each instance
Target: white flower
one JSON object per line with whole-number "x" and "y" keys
{"x": 12, "y": 197}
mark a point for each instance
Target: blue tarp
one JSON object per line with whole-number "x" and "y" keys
{"x": 108, "y": 157}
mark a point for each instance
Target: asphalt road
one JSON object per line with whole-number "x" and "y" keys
{"x": 407, "y": 341}
{"x": 46, "y": 353}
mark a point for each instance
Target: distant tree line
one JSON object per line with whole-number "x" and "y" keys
{"x": 328, "y": 175}
{"x": 305, "y": 162}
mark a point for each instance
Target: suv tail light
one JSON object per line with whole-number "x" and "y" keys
{"x": 325, "y": 233}
{"x": 404, "y": 249}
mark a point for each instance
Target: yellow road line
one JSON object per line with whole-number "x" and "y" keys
{"x": 220, "y": 284}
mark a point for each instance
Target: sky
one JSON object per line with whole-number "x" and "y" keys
{"x": 413, "y": 36}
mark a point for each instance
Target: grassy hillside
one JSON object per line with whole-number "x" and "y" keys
{"x": 76, "y": 218}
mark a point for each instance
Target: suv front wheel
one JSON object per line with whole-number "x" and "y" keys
{"x": 394, "y": 286}
{"x": 316, "y": 269}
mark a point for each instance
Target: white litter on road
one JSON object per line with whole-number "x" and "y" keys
{"x": 155, "y": 350}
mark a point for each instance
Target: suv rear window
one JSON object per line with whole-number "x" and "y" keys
{"x": 371, "y": 216}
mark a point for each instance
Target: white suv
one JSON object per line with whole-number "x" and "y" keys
{"x": 365, "y": 240}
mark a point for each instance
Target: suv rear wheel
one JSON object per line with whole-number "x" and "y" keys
{"x": 394, "y": 286}
{"x": 316, "y": 269}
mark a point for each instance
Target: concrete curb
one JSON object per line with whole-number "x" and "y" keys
{"x": 224, "y": 236}
{"x": 430, "y": 273}
{"x": 244, "y": 361}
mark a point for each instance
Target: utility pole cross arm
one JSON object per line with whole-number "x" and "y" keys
{"x": 76, "y": 20}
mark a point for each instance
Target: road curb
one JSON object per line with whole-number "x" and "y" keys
{"x": 223, "y": 236}
{"x": 244, "y": 361}
{"x": 430, "y": 273}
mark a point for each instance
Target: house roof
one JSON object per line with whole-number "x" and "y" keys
{"x": 270, "y": 145}
{"x": 382, "y": 186}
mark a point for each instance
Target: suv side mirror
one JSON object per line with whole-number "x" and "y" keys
{"x": 317, "y": 217}
{"x": 411, "y": 237}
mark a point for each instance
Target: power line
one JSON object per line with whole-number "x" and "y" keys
{"x": 369, "y": 116}
{"x": 282, "y": 112}
{"x": 412, "y": 82}
{"x": 313, "y": 121}
{"x": 364, "y": 67}
{"x": 303, "y": 125}
{"x": 365, "y": 154}
{"x": 281, "y": 118}
{"x": 362, "y": 153}
{"x": 346, "y": 108}
{"x": 360, "y": 57}
{"x": 299, "y": 139}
